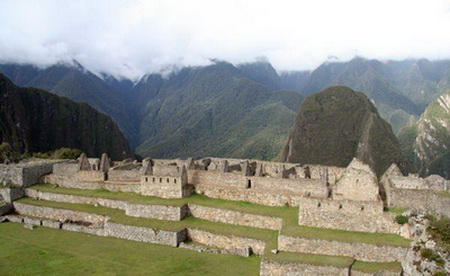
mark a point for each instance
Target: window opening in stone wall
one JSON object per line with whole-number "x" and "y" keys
{"x": 249, "y": 184}
{"x": 153, "y": 179}
{"x": 167, "y": 180}
{"x": 175, "y": 181}
{"x": 340, "y": 206}
{"x": 160, "y": 180}
{"x": 318, "y": 205}
{"x": 362, "y": 208}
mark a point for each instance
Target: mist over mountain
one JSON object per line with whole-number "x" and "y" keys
{"x": 33, "y": 120}
{"x": 242, "y": 110}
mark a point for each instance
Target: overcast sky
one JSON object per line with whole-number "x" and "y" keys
{"x": 134, "y": 37}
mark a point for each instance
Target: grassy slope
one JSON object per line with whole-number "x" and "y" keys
{"x": 46, "y": 251}
{"x": 289, "y": 215}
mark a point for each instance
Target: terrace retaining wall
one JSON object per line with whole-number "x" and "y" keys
{"x": 226, "y": 242}
{"x": 278, "y": 268}
{"x": 234, "y": 217}
{"x": 360, "y": 251}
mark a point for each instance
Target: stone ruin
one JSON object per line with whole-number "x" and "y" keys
{"x": 349, "y": 198}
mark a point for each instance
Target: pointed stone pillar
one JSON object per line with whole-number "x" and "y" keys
{"x": 84, "y": 163}
{"x": 105, "y": 163}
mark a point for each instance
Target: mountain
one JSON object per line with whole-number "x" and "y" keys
{"x": 212, "y": 111}
{"x": 72, "y": 81}
{"x": 338, "y": 124}
{"x": 262, "y": 72}
{"x": 294, "y": 80}
{"x": 33, "y": 120}
{"x": 427, "y": 141}
{"x": 399, "y": 89}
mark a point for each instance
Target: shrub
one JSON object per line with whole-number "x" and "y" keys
{"x": 440, "y": 232}
{"x": 439, "y": 273}
{"x": 401, "y": 219}
{"x": 62, "y": 153}
{"x": 432, "y": 256}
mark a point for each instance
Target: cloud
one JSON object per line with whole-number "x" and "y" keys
{"x": 130, "y": 38}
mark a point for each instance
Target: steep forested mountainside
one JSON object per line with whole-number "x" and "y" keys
{"x": 338, "y": 124}
{"x": 212, "y": 111}
{"x": 76, "y": 83}
{"x": 427, "y": 141}
{"x": 209, "y": 104}
{"x": 33, "y": 120}
{"x": 399, "y": 89}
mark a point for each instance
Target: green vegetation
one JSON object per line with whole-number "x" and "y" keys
{"x": 374, "y": 267}
{"x": 396, "y": 210}
{"x": 289, "y": 214}
{"x": 190, "y": 222}
{"x": 440, "y": 231}
{"x": 62, "y": 153}
{"x": 343, "y": 120}
{"x": 7, "y": 154}
{"x": 401, "y": 219}
{"x": 34, "y": 120}
{"x": 432, "y": 256}
{"x": 46, "y": 251}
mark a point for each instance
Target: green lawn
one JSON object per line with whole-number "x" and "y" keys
{"x": 46, "y": 251}
{"x": 373, "y": 267}
{"x": 289, "y": 215}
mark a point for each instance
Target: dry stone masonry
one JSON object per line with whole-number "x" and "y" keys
{"x": 350, "y": 199}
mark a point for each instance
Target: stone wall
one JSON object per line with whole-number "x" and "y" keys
{"x": 5, "y": 208}
{"x": 160, "y": 212}
{"x": 249, "y": 195}
{"x": 58, "y": 214}
{"x": 124, "y": 175}
{"x": 216, "y": 178}
{"x": 358, "y": 182}
{"x": 94, "y": 176}
{"x": 309, "y": 187}
{"x": 26, "y": 174}
{"x": 278, "y": 268}
{"x": 226, "y": 242}
{"x": 364, "y": 216}
{"x": 165, "y": 187}
{"x": 143, "y": 234}
{"x": 417, "y": 199}
{"x": 11, "y": 194}
{"x": 359, "y": 251}
{"x": 66, "y": 169}
{"x": 234, "y": 217}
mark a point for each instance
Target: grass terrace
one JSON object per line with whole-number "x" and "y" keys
{"x": 373, "y": 267}
{"x": 46, "y": 251}
{"x": 289, "y": 215}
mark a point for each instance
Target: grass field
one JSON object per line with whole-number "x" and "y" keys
{"x": 46, "y": 251}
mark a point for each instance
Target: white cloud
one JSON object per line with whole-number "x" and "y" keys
{"x": 134, "y": 37}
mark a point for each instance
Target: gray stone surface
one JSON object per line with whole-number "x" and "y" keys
{"x": 234, "y": 217}
{"x": 278, "y": 268}
{"x": 360, "y": 251}
{"x": 226, "y": 242}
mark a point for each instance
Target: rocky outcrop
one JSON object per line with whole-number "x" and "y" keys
{"x": 432, "y": 144}
{"x": 338, "y": 124}
{"x": 426, "y": 256}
